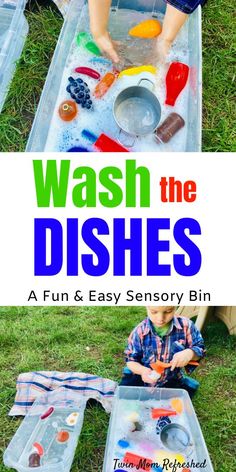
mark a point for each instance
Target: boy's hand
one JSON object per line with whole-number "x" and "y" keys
{"x": 163, "y": 46}
{"x": 181, "y": 359}
{"x": 146, "y": 375}
{"x": 106, "y": 45}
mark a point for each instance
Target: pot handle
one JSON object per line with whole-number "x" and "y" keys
{"x": 128, "y": 145}
{"x": 147, "y": 86}
{"x": 189, "y": 451}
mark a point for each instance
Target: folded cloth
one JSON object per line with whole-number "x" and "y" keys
{"x": 30, "y": 385}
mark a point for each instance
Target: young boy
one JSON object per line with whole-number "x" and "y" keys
{"x": 176, "y": 14}
{"x": 165, "y": 337}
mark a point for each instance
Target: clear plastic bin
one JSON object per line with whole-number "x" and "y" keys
{"x": 136, "y": 431}
{"x": 52, "y": 439}
{"x": 13, "y": 32}
{"x": 45, "y": 123}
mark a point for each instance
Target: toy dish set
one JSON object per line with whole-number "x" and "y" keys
{"x": 147, "y": 424}
{"x": 85, "y": 91}
{"x": 13, "y": 32}
{"x": 151, "y": 428}
{"x": 48, "y": 436}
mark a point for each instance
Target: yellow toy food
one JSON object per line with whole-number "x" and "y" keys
{"x": 138, "y": 70}
{"x": 177, "y": 405}
{"x": 134, "y": 416}
{"x": 161, "y": 457}
{"x": 146, "y": 29}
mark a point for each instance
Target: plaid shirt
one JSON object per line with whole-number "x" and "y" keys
{"x": 145, "y": 346}
{"x": 187, "y": 6}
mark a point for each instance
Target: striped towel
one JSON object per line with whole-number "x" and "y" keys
{"x": 31, "y": 385}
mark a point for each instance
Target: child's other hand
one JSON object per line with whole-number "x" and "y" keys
{"x": 106, "y": 45}
{"x": 163, "y": 46}
{"x": 181, "y": 359}
{"x": 146, "y": 372}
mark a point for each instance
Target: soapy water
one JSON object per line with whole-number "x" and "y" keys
{"x": 136, "y": 115}
{"x": 46, "y": 433}
{"x": 133, "y": 52}
{"x": 145, "y": 442}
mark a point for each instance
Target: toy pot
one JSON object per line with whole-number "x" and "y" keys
{"x": 175, "y": 437}
{"x": 176, "y": 80}
{"x": 137, "y": 111}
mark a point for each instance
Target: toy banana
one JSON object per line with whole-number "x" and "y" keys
{"x": 138, "y": 70}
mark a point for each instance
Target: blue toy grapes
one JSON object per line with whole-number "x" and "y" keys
{"x": 163, "y": 421}
{"x": 79, "y": 91}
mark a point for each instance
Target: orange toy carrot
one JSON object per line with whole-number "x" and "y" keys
{"x": 147, "y": 29}
{"x": 159, "y": 412}
{"x": 105, "y": 83}
{"x": 159, "y": 366}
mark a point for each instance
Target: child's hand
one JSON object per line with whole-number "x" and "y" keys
{"x": 181, "y": 359}
{"x": 146, "y": 372}
{"x": 163, "y": 46}
{"x": 106, "y": 45}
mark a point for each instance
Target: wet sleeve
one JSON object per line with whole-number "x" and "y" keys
{"x": 133, "y": 351}
{"x": 186, "y": 6}
{"x": 195, "y": 340}
{"x": 196, "y": 343}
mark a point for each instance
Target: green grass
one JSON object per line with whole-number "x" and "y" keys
{"x": 219, "y": 79}
{"x": 56, "y": 338}
{"x": 20, "y": 107}
{"x": 219, "y": 44}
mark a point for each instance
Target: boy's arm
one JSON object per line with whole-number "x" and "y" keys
{"x": 140, "y": 369}
{"x": 99, "y": 16}
{"x": 182, "y": 359}
{"x": 194, "y": 351}
{"x": 173, "y": 21}
{"x": 133, "y": 354}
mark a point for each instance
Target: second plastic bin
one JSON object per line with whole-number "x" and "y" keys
{"x": 13, "y": 32}
{"x": 45, "y": 127}
{"x": 149, "y": 426}
{"x": 48, "y": 435}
